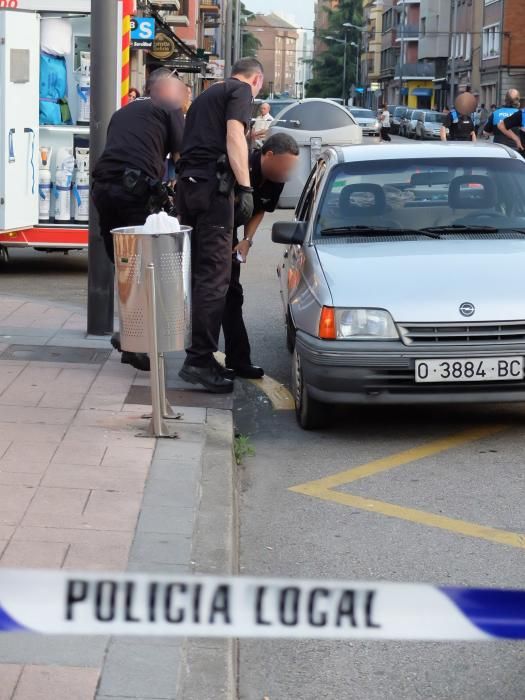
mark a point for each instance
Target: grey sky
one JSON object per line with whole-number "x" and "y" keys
{"x": 301, "y": 12}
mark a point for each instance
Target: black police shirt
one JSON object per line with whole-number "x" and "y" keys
{"x": 515, "y": 122}
{"x": 266, "y": 194}
{"x": 140, "y": 136}
{"x": 462, "y": 130}
{"x": 205, "y": 131}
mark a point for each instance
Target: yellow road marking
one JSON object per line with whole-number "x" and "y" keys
{"x": 325, "y": 490}
{"x": 412, "y": 455}
{"x": 279, "y": 396}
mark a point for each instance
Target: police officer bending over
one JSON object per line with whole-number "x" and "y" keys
{"x": 512, "y": 103}
{"x": 127, "y": 178}
{"x": 214, "y": 162}
{"x": 270, "y": 168}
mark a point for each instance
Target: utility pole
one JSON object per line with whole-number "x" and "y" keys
{"x": 345, "y": 47}
{"x": 106, "y": 45}
{"x": 237, "y": 47}
{"x": 228, "y": 42}
{"x": 453, "y": 53}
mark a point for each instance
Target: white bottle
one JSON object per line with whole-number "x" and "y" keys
{"x": 64, "y": 176}
{"x": 81, "y": 186}
{"x": 84, "y": 88}
{"x": 45, "y": 184}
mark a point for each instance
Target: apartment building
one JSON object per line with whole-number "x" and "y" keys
{"x": 434, "y": 42}
{"x": 278, "y": 52}
{"x": 502, "y": 49}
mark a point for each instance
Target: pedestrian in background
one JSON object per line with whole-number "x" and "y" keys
{"x": 384, "y": 118}
{"x": 189, "y": 99}
{"x": 483, "y": 118}
{"x": 270, "y": 168}
{"x": 133, "y": 94}
{"x": 214, "y": 162}
{"x": 262, "y": 124}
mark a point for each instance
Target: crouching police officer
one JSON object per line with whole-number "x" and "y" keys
{"x": 127, "y": 179}
{"x": 270, "y": 168}
{"x": 214, "y": 162}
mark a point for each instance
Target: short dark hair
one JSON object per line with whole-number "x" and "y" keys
{"x": 281, "y": 143}
{"x": 247, "y": 67}
{"x": 159, "y": 74}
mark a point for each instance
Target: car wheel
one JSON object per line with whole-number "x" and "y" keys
{"x": 310, "y": 414}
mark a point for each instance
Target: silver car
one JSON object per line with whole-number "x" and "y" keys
{"x": 402, "y": 280}
{"x": 367, "y": 120}
{"x": 429, "y": 124}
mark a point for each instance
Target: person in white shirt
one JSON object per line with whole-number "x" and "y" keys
{"x": 262, "y": 124}
{"x": 384, "y": 118}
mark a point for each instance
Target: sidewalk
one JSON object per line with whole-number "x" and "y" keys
{"x": 80, "y": 490}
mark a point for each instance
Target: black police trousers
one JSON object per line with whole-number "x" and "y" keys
{"x": 117, "y": 208}
{"x": 210, "y": 214}
{"x": 236, "y": 342}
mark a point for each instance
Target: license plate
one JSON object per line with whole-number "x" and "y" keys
{"x": 491, "y": 369}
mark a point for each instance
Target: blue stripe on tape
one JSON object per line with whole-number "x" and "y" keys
{"x": 8, "y": 624}
{"x": 496, "y": 612}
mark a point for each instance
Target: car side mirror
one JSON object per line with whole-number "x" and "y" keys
{"x": 289, "y": 232}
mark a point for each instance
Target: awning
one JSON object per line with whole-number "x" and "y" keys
{"x": 422, "y": 92}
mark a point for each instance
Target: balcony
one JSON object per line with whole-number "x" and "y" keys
{"x": 210, "y": 7}
{"x": 416, "y": 70}
{"x": 408, "y": 32}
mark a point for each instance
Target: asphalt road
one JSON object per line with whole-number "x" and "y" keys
{"x": 478, "y": 482}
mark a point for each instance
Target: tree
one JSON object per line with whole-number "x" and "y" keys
{"x": 327, "y": 78}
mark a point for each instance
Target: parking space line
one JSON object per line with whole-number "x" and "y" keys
{"x": 325, "y": 489}
{"x": 280, "y": 398}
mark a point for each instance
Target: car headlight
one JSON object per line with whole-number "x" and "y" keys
{"x": 356, "y": 324}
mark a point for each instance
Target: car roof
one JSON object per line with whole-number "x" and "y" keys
{"x": 402, "y": 151}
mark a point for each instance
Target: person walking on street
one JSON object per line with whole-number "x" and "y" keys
{"x": 130, "y": 170}
{"x": 385, "y": 124}
{"x": 270, "y": 168}
{"x": 511, "y": 106}
{"x": 483, "y": 118}
{"x": 214, "y": 162}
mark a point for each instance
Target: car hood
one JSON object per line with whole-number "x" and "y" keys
{"x": 427, "y": 281}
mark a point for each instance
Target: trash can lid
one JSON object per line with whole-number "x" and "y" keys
{"x": 139, "y": 231}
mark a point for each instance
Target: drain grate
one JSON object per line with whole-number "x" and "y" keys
{"x": 55, "y": 353}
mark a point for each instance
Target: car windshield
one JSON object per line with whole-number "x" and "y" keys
{"x": 423, "y": 193}
{"x": 362, "y": 113}
{"x": 434, "y": 117}
{"x": 400, "y": 111}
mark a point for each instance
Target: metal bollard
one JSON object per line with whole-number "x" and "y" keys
{"x": 159, "y": 405}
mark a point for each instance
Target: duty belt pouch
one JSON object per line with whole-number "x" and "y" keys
{"x": 225, "y": 176}
{"x": 135, "y": 183}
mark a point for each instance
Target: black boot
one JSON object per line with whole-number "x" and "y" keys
{"x": 208, "y": 377}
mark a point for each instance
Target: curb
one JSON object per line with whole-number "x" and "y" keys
{"x": 209, "y": 666}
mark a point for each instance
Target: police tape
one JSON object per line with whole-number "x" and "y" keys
{"x": 81, "y": 603}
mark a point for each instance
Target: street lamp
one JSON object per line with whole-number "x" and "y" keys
{"x": 357, "y": 57}
{"x": 345, "y": 44}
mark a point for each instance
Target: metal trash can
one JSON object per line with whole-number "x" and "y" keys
{"x": 170, "y": 253}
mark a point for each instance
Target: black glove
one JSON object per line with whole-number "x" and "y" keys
{"x": 243, "y": 205}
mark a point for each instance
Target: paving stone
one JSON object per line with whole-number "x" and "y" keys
{"x": 9, "y": 675}
{"x": 128, "y": 479}
{"x": 9, "y": 373}
{"x": 160, "y": 549}
{"x": 14, "y": 501}
{"x": 117, "y": 456}
{"x": 166, "y": 519}
{"x": 29, "y": 648}
{"x": 38, "y": 434}
{"x": 28, "y": 415}
{"x": 20, "y": 478}
{"x": 57, "y": 683}
{"x": 112, "y": 511}
{"x": 23, "y": 451}
{"x": 15, "y": 396}
{"x": 49, "y": 555}
{"x": 106, "y": 557}
{"x": 52, "y": 399}
{"x": 136, "y": 671}
{"x": 88, "y": 455}
{"x": 93, "y": 538}
{"x": 57, "y": 507}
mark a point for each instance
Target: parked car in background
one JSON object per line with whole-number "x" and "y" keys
{"x": 402, "y": 278}
{"x": 367, "y": 120}
{"x": 428, "y": 125}
{"x": 397, "y": 118}
{"x": 405, "y": 121}
{"x": 411, "y": 124}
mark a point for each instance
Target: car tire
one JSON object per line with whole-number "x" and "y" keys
{"x": 310, "y": 414}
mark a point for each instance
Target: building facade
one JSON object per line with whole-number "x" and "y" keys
{"x": 434, "y": 42}
{"x": 370, "y": 78}
{"x": 322, "y": 9}
{"x": 277, "y": 52}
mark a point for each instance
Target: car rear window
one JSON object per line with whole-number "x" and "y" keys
{"x": 423, "y": 192}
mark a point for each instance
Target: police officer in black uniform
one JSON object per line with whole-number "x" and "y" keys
{"x": 513, "y": 128}
{"x": 214, "y": 163}
{"x": 511, "y": 106}
{"x": 460, "y": 127}
{"x": 270, "y": 167}
{"x": 127, "y": 179}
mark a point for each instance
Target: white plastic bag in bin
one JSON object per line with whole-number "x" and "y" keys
{"x": 161, "y": 223}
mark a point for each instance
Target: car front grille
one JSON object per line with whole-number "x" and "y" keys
{"x": 402, "y": 383}
{"x": 459, "y": 334}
